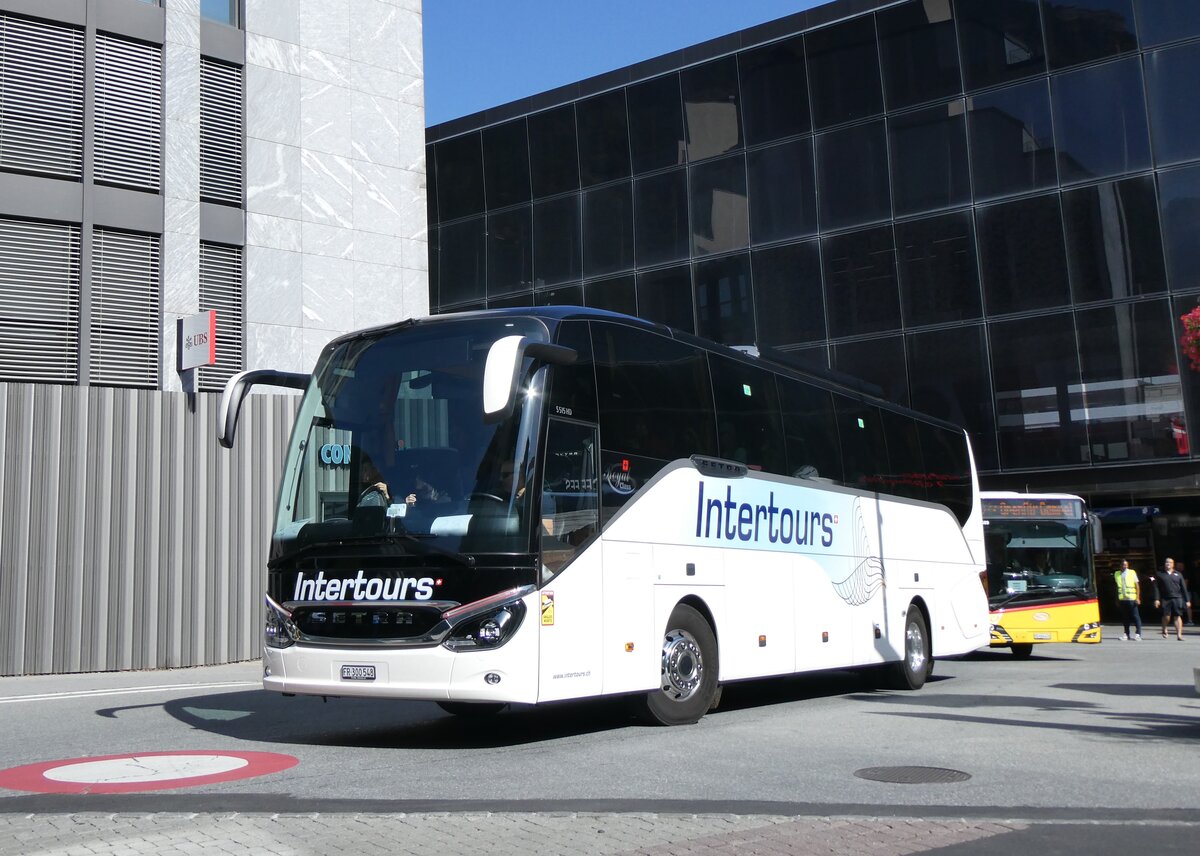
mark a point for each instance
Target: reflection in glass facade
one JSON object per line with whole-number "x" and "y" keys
{"x": 987, "y": 209}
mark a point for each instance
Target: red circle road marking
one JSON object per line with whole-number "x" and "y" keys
{"x": 142, "y": 771}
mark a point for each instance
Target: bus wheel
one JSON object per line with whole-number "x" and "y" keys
{"x": 1022, "y": 650}
{"x": 910, "y": 673}
{"x": 472, "y": 709}
{"x": 688, "y": 685}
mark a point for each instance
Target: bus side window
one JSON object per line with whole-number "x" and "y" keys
{"x": 864, "y": 448}
{"x": 945, "y": 453}
{"x": 810, "y": 431}
{"x": 573, "y": 387}
{"x": 749, "y": 429}
{"x": 906, "y": 466}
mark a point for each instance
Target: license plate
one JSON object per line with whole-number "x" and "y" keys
{"x": 358, "y": 673}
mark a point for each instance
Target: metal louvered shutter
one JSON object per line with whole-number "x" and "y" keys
{"x": 221, "y": 289}
{"x": 125, "y": 327}
{"x": 220, "y": 132}
{"x": 128, "y": 113}
{"x": 41, "y": 97}
{"x": 39, "y": 302}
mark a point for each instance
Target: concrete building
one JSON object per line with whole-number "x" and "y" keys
{"x": 262, "y": 158}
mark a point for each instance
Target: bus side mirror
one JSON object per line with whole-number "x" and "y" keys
{"x": 500, "y": 372}
{"x": 1097, "y": 530}
{"x": 235, "y": 392}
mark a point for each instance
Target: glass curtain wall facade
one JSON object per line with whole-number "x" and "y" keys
{"x": 987, "y": 209}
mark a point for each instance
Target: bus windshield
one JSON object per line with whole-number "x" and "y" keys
{"x": 1037, "y": 557}
{"x": 391, "y": 447}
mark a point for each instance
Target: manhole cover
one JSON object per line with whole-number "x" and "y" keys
{"x": 912, "y": 775}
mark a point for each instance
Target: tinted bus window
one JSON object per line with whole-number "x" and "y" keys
{"x": 573, "y": 389}
{"x": 749, "y": 428}
{"x": 810, "y": 431}
{"x": 905, "y": 475}
{"x": 864, "y": 449}
{"x": 654, "y": 393}
{"x": 949, "y": 468}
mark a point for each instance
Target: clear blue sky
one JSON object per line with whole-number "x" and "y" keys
{"x": 482, "y": 53}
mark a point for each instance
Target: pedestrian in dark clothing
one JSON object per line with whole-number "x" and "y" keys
{"x": 1172, "y": 595}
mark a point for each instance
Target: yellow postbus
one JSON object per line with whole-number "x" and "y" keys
{"x": 1040, "y": 569}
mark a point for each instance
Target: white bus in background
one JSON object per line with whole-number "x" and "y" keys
{"x": 524, "y": 506}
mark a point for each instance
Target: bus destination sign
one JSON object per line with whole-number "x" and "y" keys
{"x": 1032, "y": 509}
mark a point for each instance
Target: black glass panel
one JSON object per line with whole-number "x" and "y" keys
{"x": 1132, "y": 390}
{"x": 563, "y": 295}
{"x": 665, "y": 296}
{"x": 783, "y": 191}
{"x": 852, "y": 176}
{"x": 920, "y": 54}
{"x": 1171, "y": 77}
{"x": 431, "y": 191}
{"x": 1001, "y": 40}
{"x": 553, "y": 157}
{"x": 608, "y": 229}
{"x": 720, "y": 221}
{"x": 810, "y": 430}
{"x": 556, "y": 251}
{"x": 460, "y": 176}
{"x": 1100, "y": 121}
{"x": 710, "y": 108}
{"x": 788, "y": 299}
{"x": 877, "y": 362}
{"x": 660, "y": 205}
{"x": 1035, "y": 371}
{"x": 774, "y": 91}
{"x": 616, "y": 294}
{"x": 510, "y": 251}
{"x": 434, "y": 263}
{"x": 1012, "y": 140}
{"x": 603, "y": 138}
{"x": 656, "y": 123}
{"x": 749, "y": 426}
{"x": 461, "y": 267}
{"x": 860, "y": 282}
{"x": 514, "y": 301}
{"x": 929, "y": 159}
{"x": 1162, "y": 21}
{"x": 1114, "y": 245}
{"x": 1179, "y": 198}
{"x": 724, "y": 304}
{"x": 939, "y": 280}
{"x": 1082, "y": 30}
{"x": 843, "y": 68}
{"x": 506, "y": 164}
{"x": 949, "y": 375}
{"x": 1021, "y": 255}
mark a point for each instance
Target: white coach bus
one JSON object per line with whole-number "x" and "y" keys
{"x": 522, "y": 506}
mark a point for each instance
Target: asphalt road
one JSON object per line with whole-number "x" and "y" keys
{"x": 1078, "y": 744}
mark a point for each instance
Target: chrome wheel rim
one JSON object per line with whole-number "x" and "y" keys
{"x": 914, "y": 642}
{"x": 682, "y": 666}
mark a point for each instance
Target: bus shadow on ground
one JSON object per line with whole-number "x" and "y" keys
{"x": 1187, "y": 691}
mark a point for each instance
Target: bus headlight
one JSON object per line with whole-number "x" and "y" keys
{"x": 487, "y": 629}
{"x": 279, "y": 631}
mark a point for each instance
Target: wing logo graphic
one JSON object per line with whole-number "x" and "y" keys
{"x": 867, "y": 576}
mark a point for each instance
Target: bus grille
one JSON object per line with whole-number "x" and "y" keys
{"x": 365, "y": 621}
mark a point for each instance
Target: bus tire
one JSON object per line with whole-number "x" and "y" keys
{"x": 1022, "y": 650}
{"x": 689, "y": 667}
{"x": 472, "y": 709}
{"x": 914, "y": 667}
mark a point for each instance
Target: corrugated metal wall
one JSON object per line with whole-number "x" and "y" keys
{"x": 129, "y": 539}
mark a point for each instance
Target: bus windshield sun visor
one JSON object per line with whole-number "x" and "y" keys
{"x": 235, "y": 392}
{"x": 500, "y": 376}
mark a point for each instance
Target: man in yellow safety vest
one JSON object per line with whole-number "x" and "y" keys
{"x": 1129, "y": 595}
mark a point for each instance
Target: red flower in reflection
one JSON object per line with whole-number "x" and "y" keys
{"x": 1190, "y": 340}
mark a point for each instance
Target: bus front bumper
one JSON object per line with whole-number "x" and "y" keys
{"x": 1006, "y": 636}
